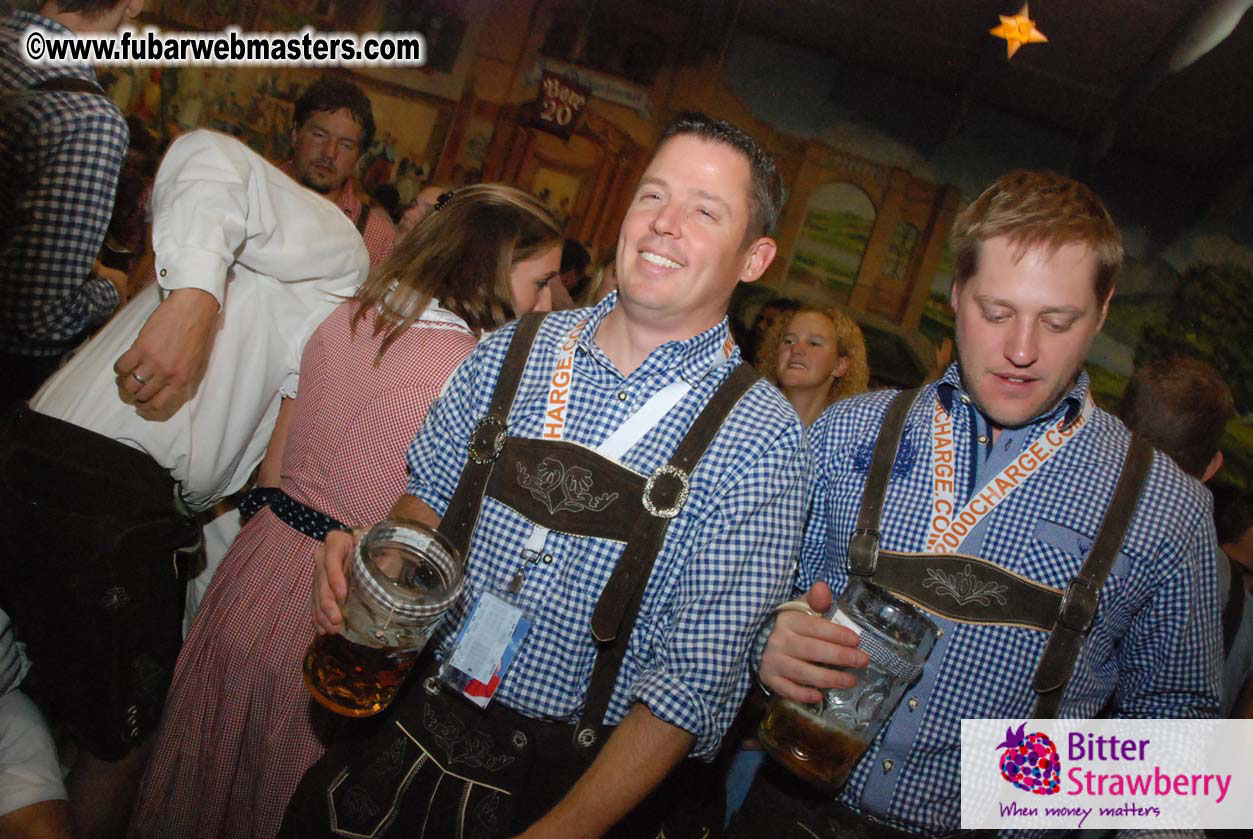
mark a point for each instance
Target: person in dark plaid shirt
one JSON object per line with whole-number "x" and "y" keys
{"x": 65, "y": 149}
{"x": 1034, "y": 262}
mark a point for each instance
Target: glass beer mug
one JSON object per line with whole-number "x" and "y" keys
{"x": 822, "y": 743}
{"x": 402, "y": 579}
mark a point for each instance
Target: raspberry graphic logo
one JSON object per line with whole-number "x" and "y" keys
{"x": 1030, "y": 762}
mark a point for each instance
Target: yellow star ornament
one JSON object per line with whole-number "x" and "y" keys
{"x": 1018, "y": 30}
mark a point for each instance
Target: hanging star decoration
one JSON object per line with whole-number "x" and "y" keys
{"x": 1017, "y": 30}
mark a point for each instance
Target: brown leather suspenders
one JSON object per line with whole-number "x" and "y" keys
{"x": 1078, "y": 606}
{"x": 487, "y": 440}
{"x": 628, "y": 506}
{"x": 863, "y": 547}
{"x": 663, "y": 497}
{"x": 1007, "y": 598}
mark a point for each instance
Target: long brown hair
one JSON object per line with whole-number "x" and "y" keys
{"x": 461, "y": 255}
{"x": 849, "y": 344}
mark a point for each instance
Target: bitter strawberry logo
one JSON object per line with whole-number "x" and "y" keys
{"x": 1030, "y": 762}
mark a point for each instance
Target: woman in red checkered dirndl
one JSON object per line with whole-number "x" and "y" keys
{"x": 240, "y": 728}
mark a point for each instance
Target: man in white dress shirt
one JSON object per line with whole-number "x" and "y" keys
{"x": 99, "y": 494}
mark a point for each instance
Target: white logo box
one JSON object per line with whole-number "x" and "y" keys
{"x": 1112, "y": 774}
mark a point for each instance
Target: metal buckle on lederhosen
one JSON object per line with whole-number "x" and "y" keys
{"x": 487, "y": 440}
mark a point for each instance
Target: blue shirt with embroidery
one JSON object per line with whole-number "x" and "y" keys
{"x": 727, "y": 559}
{"x": 1155, "y": 646}
{"x": 68, "y": 148}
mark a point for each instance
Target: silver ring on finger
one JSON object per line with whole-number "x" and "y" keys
{"x": 138, "y": 378}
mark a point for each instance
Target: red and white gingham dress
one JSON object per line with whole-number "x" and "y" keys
{"x": 239, "y": 728}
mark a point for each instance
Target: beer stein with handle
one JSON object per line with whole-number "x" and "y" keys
{"x": 402, "y": 578}
{"x": 822, "y": 743}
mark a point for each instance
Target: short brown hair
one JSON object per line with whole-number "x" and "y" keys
{"x": 1038, "y": 208}
{"x": 1181, "y": 405}
{"x": 765, "y": 191}
{"x": 462, "y": 255}
{"x": 849, "y": 344}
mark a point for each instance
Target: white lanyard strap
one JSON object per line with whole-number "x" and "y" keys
{"x": 632, "y": 429}
{"x": 949, "y": 527}
{"x": 642, "y": 421}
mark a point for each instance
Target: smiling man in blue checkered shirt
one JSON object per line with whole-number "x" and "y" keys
{"x": 62, "y": 151}
{"x": 695, "y": 228}
{"x": 1035, "y": 258}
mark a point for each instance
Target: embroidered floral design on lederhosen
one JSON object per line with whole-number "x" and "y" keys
{"x": 971, "y": 589}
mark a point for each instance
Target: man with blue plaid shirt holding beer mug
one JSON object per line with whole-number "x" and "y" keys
{"x": 1069, "y": 570}
{"x": 629, "y": 499}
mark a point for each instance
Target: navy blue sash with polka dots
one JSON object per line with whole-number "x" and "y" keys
{"x": 291, "y": 512}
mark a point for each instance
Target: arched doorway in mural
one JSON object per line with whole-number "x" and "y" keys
{"x": 900, "y": 251}
{"x": 587, "y": 179}
{"x": 833, "y": 239}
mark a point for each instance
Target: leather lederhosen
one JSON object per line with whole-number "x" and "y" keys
{"x": 93, "y": 571}
{"x": 508, "y": 770}
{"x": 963, "y": 588}
{"x": 920, "y": 578}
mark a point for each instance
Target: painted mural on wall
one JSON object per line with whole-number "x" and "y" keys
{"x": 558, "y": 190}
{"x": 1160, "y": 311}
{"x": 202, "y": 14}
{"x": 467, "y": 166}
{"x": 1190, "y": 296}
{"x": 833, "y": 239}
{"x": 623, "y": 40}
{"x": 257, "y": 104}
{"x": 900, "y": 250}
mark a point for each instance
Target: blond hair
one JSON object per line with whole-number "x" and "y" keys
{"x": 1038, "y": 208}
{"x": 848, "y": 344}
{"x": 462, "y": 256}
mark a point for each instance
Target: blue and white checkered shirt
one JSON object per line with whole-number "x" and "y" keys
{"x": 728, "y": 557}
{"x": 68, "y": 149}
{"x": 1155, "y": 647}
